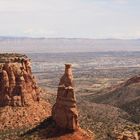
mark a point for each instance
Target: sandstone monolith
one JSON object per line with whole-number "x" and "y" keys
{"x": 64, "y": 111}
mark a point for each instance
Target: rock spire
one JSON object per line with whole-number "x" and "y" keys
{"x": 64, "y": 111}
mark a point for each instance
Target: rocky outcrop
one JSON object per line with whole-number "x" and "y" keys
{"x": 20, "y": 102}
{"x": 18, "y": 86}
{"x": 64, "y": 111}
{"x": 133, "y": 80}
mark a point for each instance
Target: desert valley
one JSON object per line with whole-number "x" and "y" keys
{"x": 106, "y": 84}
{"x": 106, "y": 89}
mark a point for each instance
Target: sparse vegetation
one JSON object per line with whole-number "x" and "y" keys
{"x": 100, "y": 110}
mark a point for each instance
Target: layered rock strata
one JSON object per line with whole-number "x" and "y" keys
{"x": 64, "y": 111}
{"x": 17, "y": 84}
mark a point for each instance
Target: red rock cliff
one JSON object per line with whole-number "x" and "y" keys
{"x": 17, "y": 84}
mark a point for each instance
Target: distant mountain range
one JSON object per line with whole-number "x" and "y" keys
{"x": 35, "y": 45}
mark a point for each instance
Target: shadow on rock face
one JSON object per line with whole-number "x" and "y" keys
{"x": 47, "y": 129}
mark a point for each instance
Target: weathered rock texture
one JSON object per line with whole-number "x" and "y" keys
{"x": 17, "y": 84}
{"x": 64, "y": 111}
{"x": 23, "y": 117}
{"x": 128, "y": 135}
{"x": 20, "y": 102}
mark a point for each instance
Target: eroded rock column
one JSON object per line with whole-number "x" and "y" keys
{"x": 18, "y": 86}
{"x": 64, "y": 111}
{"x": 4, "y": 97}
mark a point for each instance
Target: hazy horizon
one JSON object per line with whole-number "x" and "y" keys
{"x": 53, "y": 45}
{"x": 69, "y": 25}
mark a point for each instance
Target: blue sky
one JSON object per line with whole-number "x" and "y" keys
{"x": 70, "y": 18}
